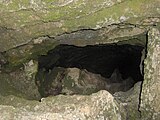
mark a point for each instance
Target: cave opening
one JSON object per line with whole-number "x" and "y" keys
{"x": 69, "y": 69}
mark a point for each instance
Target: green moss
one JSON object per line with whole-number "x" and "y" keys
{"x": 69, "y": 13}
{"x": 49, "y": 19}
{"x": 70, "y": 85}
{"x": 6, "y": 89}
{"x": 18, "y": 56}
{"x": 68, "y": 82}
{"x": 133, "y": 114}
{"x": 147, "y": 112}
{"x": 17, "y": 4}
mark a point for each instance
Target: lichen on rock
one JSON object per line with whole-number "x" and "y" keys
{"x": 100, "y": 105}
{"x": 22, "y": 81}
{"x": 30, "y": 29}
{"x": 150, "y": 98}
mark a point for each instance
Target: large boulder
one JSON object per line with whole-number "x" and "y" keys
{"x": 70, "y": 81}
{"x": 21, "y": 21}
{"x": 29, "y": 29}
{"x": 150, "y": 97}
{"x": 98, "y": 106}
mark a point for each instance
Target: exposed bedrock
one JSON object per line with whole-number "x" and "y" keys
{"x": 79, "y": 59}
{"x": 150, "y": 97}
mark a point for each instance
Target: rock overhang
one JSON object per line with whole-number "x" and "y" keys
{"x": 23, "y": 40}
{"x": 121, "y": 34}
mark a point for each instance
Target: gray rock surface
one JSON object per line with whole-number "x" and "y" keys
{"x": 70, "y": 81}
{"x": 21, "y": 81}
{"x": 30, "y": 28}
{"x": 150, "y": 97}
{"x": 98, "y": 106}
{"x": 130, "y": 101}
{"x": 22, "y": 21}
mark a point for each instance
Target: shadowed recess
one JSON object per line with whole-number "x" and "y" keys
{"x": 97, "y": 59}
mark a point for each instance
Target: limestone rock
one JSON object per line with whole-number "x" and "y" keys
{"x": 98, "y": 106}
{"x": 79, "y": 81}
{"x": 50, "y": 83}
{"x": 21, "y": 21}
{"x": 82, "y": 82}
{"x": 69, "y": 81}
{"x": 130, "y": 101}
{"x": 21, "y": 81}
{"x": 29, "y": 29}
{"x": 150, "y": 99}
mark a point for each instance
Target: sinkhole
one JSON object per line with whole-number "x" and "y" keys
{"x": 69, "y": 69}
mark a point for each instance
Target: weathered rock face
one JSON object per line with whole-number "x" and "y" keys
{"x": 130, "y": 101}
{"x": 22, "y": 81}
{"x": 30, "y": 29}
{"x": 150, "y": 97}
{"x": 70, "y": 81}
{"x": 97, "y": 106}
{"x": 21, "y": 21}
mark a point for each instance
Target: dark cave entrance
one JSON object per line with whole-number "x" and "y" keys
{"x": 119, "y": 65}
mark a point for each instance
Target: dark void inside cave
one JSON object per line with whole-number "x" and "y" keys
{"x": 104, "y": 60}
